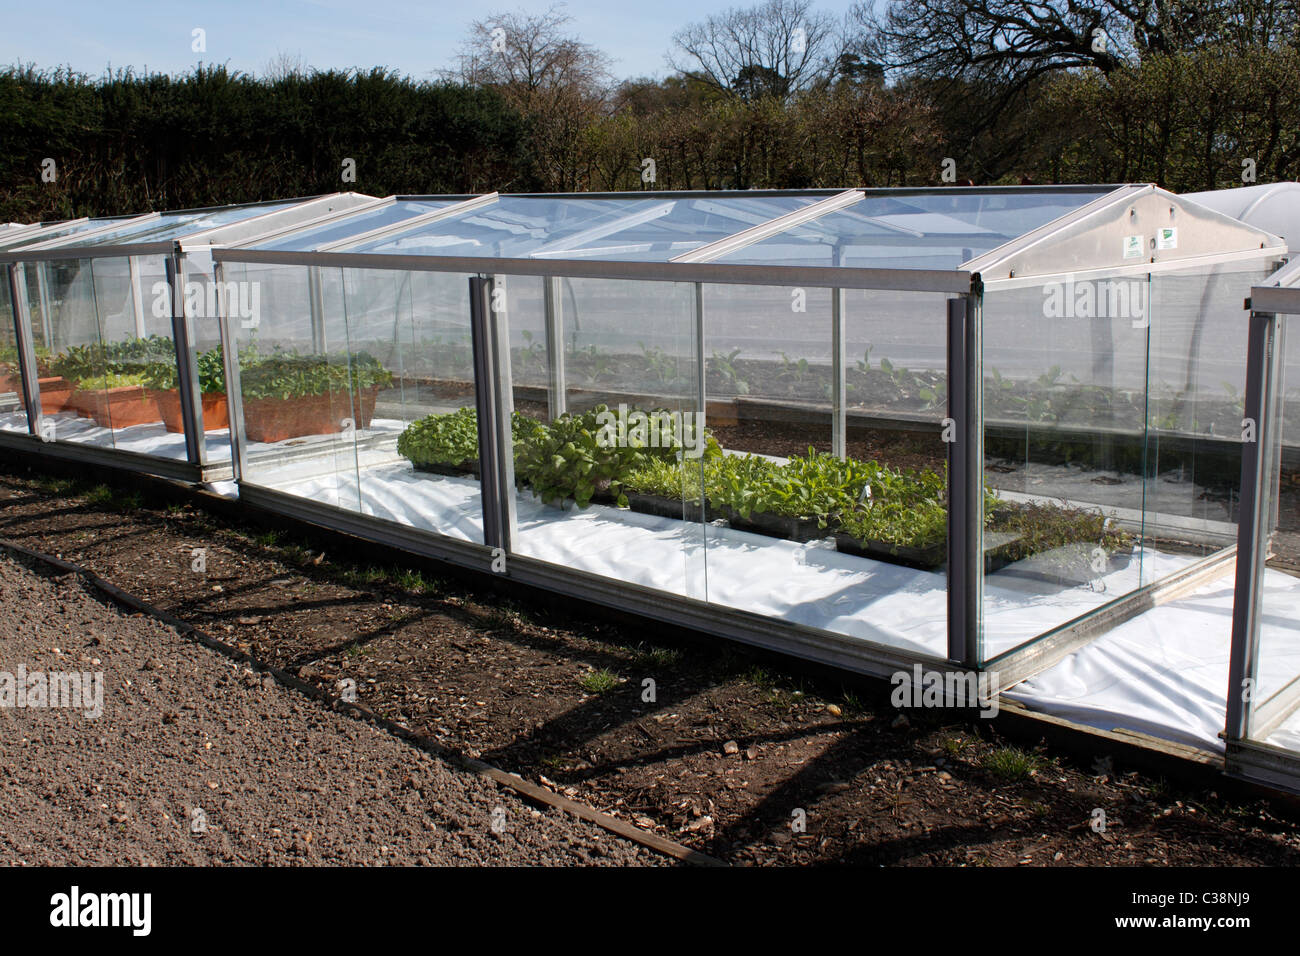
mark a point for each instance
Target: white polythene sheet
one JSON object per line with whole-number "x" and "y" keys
{"x": 1165, "y": 672}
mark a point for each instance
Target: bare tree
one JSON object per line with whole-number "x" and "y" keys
{"x": 1013, "y": 42}
{"x": 526, "y": 54}
{"x": 774, "y": 49}
{"x": 559, "y": 82}
{"x": 284, "y": 65}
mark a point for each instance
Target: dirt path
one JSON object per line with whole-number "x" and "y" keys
{"x": 196, "y": 759}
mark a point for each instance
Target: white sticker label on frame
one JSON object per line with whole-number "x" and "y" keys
{"x": 1132, "y": 247}
{"x": 1167, "y": 238}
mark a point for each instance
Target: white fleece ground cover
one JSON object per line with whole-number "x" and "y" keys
{"x": 1165, "y": 672}
{"x": 152, "y": 439}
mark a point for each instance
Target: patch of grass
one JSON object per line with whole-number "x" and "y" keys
{"x": 267, "y": 539}
{"x": 361, "y": 578}
{"x": 56, "y": 486}
{"x": 955, "y": 746}
{"x": 599, "y": 682}
{"x": 99, "y": 496}
{"x": 658, "y": 658}
{"x": 410, "y": 580}
{"x": 102, "y": 496}
{"x": 1011, "y": 764}
{"x": 760, "y": 677}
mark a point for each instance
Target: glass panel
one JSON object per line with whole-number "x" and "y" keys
{"x": 1065, "y": 388}
{"x": 1198, "y": 363}
{"x": 938, "y": 229}
{"x": 639, "y": 228}
{"x": 303, "y": 405}
{"x": 1172, "y": 484}
{"x": 313, "y": 237}
{"x": 602, "y": 487}
{"x": 664, "y": 229}
{"x": 769, "y": 368}
{"x": 51, "y": 232}
{"x": 1272, "y": 715}
{"x": 855, "y": 547}
{"x": 177, "y": 225}
{"x": 202, "y": 311}
{"x": 13, "y": 411}
{"x": 106, "y": 343}
{"x": 409, "y": 338}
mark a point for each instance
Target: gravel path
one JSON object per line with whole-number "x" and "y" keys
{"x": 191, "y": 741}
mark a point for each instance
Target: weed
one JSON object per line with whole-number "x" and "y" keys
{"x": 599, "y": 682}
{"x": 1011, "y": 764}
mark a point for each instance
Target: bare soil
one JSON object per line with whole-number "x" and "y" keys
{"x": 734, "y": 749}
{"x": 197, "y": 759}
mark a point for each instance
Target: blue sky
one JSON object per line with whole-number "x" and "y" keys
{"x": 412, "y": 37}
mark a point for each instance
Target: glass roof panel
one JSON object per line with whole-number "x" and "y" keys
{"x": 306, "y": 240}
{"x": 639, "y": 229}
{"x": 176, "y": 225}
{"x": 54, "y": 232}
{"x": 937, "y": 229}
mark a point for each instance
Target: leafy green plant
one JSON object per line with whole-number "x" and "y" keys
{"x": 794, "y": 368}
{"x": 666, "y": 478}
{"x": 212, "y": 373}
{"x": 568, "y": 459}
{"x": 660, "y": 364}
{"x": 864, "y": 363}
{"x": 451, "y": 438}
{"x": 1041, "y": 527}
{"x": 725, "y": 366}
{"x": 289, "y": 375}
{"x": 98, "y": 383}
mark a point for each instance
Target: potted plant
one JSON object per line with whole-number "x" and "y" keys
{"x": 161, "y": 382}
{"x": 117, "y": 400}
{"x": 447, "y": 444}
{"x": 291, "y": 396}
{"x": 80, "y": 363}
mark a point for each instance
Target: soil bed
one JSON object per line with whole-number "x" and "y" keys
{"x": 197, "y": 759}
{"x": 724, "y": 758}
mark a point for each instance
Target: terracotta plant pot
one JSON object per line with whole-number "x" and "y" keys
{"x": 56, "y": 395}
{"x": 279, "y": 419}
{"x": 11, "y": 381}
{"x": 123, "y": 407}
{"x": 84, "y": 402}
{"x": 216, "y": 412}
